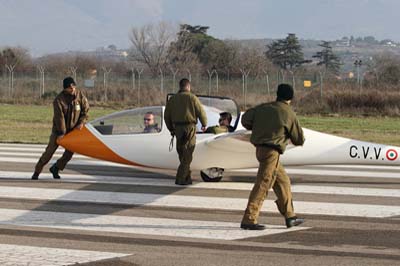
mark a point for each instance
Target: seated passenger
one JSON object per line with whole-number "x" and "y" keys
{"x": 150, "y": 126}
{"x": 224, "y": 126}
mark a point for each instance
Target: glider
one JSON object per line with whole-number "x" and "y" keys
{"x": 120, "y": 137}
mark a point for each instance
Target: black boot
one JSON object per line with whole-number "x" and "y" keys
{"x": 293, "y": 221}
{"x": 35, "y": 176}
{"x": 54, "y": 170}
{"x": 253, "y": 226}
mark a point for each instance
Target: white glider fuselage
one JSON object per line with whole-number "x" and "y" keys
{"x": 126, "y": 143}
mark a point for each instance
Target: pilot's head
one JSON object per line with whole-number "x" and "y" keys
{"x": 225, "y": 119}
{"x": 284, "y": 93}
{"x": 148, "y": 119}
{"x": 184, "y": 85}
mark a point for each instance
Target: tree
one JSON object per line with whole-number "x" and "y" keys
{"x": 328, "y": 59}
{"x": 13, "y": 56}
{"x": 194, "y": 44}
{"x": 181, "y": 51}
{"x": 251, "y": 59}
{"x": 385, "y": 68}
{"x": 151, "y": 43}
{"x": 370, "y": 40}
{"x": 192, "y": 39}
{"x": 286, "y": 53}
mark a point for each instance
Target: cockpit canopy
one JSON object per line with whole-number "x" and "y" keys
{"x": 132, "y": 121}
{"x": 129, "y": 121}
{"x": 213, "y": 106}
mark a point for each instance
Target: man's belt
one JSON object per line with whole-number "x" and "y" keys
{"x": 183, "y": 123}
{"x": 271, "y": 146}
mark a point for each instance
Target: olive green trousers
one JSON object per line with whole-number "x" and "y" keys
{"x": 185, "y": 145}
{"x": 270, "y": 175}
{"x": 49, "y": 152}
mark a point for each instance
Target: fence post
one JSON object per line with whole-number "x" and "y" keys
{"x": 139, "y": 74}
{"x": 106, "y": 72}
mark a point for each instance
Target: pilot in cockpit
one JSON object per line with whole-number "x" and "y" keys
{"x": 224, "y": 126}
{"x": 150, "y": 126}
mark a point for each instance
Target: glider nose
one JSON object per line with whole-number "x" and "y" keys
{"x": 84, "y": 142}
{"x": 76, "y": 140}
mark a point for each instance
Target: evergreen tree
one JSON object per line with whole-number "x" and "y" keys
{"x": 328, "y": 59}
{"x": 286, "y": 53}
{"x": 194, "y": 41}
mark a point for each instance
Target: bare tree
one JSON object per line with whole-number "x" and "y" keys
{"x": 151, "y": 43}
{"x": 385, "y": 68}
{"x": 11, "y": 57}
{"x": 251, "y": 58}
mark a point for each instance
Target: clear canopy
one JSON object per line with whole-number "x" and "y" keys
{"x": 129, "y": 121}
{"x": 133, "y": 121}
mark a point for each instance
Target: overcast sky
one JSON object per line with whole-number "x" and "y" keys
{"x": 47, "y": 26}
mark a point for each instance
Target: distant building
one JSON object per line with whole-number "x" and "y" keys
{"x": 390, "y": 44}
{"x": 344, "y": 42}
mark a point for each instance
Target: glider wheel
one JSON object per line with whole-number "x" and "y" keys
{"x": 213, "y": 174}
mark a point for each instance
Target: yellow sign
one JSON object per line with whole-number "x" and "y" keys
{"x": 307, "y": 83}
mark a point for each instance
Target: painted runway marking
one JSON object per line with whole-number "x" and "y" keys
{"x": 321, "y": 208}
{"x": 156, "y": 182}
{"x": 72, "y": 162}
{"x": 363, "y": 172}
{"x": 38, "y": 154}
{"x": 298, "y": 171}
{"x": 136, "y": 225}
{"x": 318, "y": 172}
{"x": 38, "y": 256}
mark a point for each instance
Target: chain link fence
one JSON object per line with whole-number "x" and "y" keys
{"x": 140, "y": 88}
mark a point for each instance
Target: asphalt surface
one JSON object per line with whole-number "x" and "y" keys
{"x": 107, "y": 214}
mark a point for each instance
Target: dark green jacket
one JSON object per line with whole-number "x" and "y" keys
{"x": 69, "y": 111}
{"x": 219, "y": 129}
{"x": 184, "y": 108}
{"x": 273, "y": 124}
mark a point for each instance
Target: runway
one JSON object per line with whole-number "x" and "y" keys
{"x": 103, "y": 213}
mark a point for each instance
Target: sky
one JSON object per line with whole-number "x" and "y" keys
{"x": 50, "y": 26}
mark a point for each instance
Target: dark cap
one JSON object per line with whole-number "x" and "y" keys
{"x": 285, "y": 92}
{"x": 68, "y": 81}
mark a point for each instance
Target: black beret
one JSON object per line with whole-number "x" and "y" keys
{"x": 285, "y": 92}
{"x": 68, "y": 81}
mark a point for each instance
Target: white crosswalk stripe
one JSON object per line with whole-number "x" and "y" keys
{"x": 38, "y": 256}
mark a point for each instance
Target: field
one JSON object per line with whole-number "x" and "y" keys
{"x": 32, "y": 124}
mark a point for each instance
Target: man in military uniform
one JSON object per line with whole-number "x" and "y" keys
{"x": 272, "y": 125}
{"x": 70, "y": 111}
{"x": 150, "y": 126}
{"x": 224, "y": 126}
{"x": 180, "y": 116}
